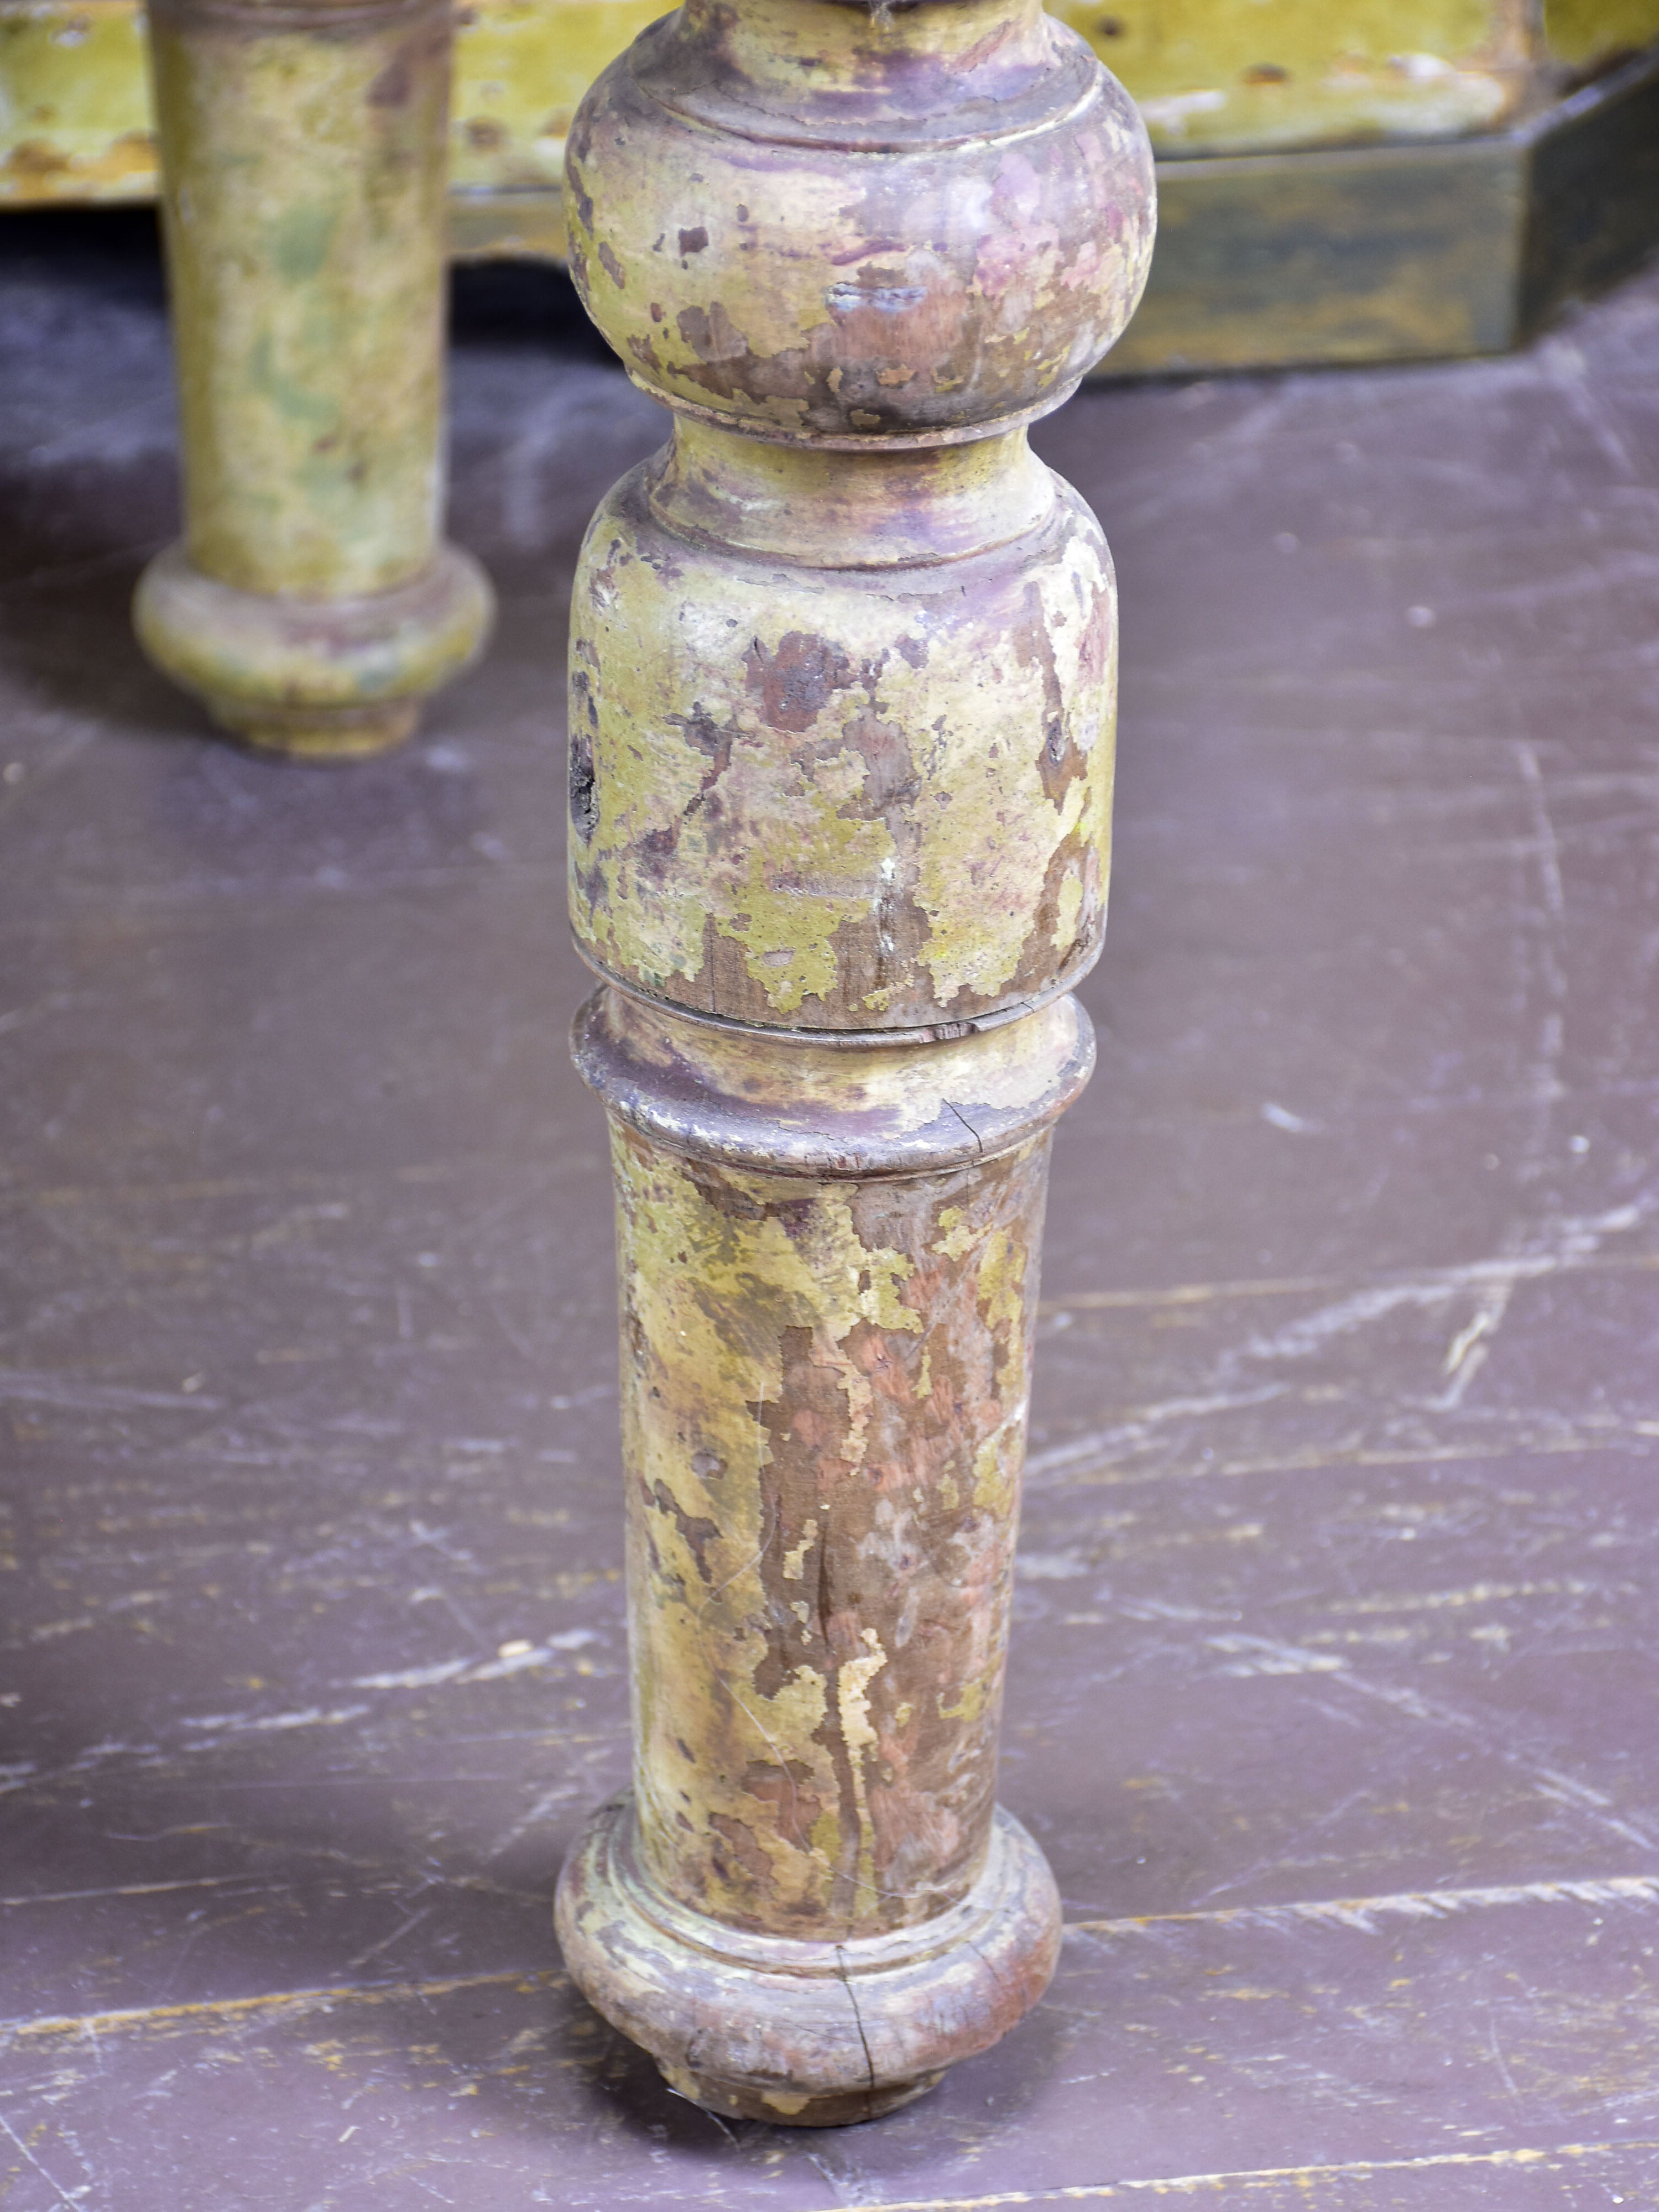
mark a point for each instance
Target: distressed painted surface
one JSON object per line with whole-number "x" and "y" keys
{"x": 304, "y": 213}
{"x": 843, "y": 690}
{"x": 1235, "y": 75}
{"x": 804, "y": 1911}
{"x": 1205, "y": 73}
{"x": 919, "y": 292}
{"x": 845, "y": 797}
{"x": 824, "y": 1402}
{"x": 304, "y": 217}
{"x": 76, "y": 123}
{"x": 811, "y": 2034}
{"x": 521, "y": 66}
{"x": 828, "y": 1106}
{"x": 75, "y": 118}
{"x": 327, "y": 678}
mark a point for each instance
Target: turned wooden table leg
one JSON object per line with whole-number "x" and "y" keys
{"x": 843, "y": 661}
{"x": 312, "y": 603}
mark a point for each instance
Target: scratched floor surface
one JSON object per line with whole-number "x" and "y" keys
{"x": 1334, "y": 1688}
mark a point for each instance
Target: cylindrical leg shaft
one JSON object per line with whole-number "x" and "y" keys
{"x": 843, "y": 665}
{"x": 825, "y": 1383}
{"x": 312, "y": 603}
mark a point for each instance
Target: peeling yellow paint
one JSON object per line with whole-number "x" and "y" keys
{"x": 1214, "y": 75}
{"x": 753, "y": 731}
{"x": 310, "y": 603}
{"x": 730, "y": 1280}
{"x": 843, "y": 689}
{"x": 1209, "y": 75}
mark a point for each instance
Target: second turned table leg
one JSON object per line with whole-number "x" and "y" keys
{"x": 312, "y": 602}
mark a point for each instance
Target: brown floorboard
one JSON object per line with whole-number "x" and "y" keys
{"x": 1335, "y": 1682}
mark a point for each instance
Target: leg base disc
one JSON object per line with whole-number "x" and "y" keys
{"x": 349, "y": 733}
{"x": 804, "y": 2033}
{"x": 317, "y": 679}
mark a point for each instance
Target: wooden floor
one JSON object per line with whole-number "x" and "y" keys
{"x": 1335, "y": 1697}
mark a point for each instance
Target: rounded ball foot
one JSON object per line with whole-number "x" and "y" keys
{"x": 804, "y": 2033}
{"x": 315, "y": 680}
